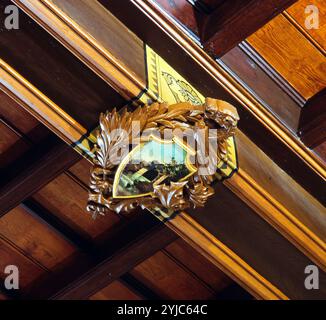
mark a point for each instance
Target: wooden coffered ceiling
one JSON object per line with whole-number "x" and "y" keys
{"x": 71, "y": 60}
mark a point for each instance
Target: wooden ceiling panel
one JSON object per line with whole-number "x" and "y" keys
{"x": 16, "y": 115}
{"x": 28, "y": 270}
{"x": 283, "y": 46}
{"x": 116, "y": 291}
{"x": 198, "y": 265}
{"x": 18, "y": 130}
{"x": 81, "y": 170}
{"x": 12, "y": 146}
{"x": 321, "y": 151}
{"x": 169, "y": 280}
{"x": 36, "y": 239}
{"x": 67, "y": 200}
{"x": 254, "y": 76}
{"x": 297, "y": 11}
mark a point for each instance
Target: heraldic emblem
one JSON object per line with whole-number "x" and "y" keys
{"x": 159, "y": 157}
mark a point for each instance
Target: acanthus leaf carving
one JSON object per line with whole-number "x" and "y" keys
{"x": 116, "y": 131}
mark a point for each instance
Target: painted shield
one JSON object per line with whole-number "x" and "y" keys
{"x": 152, "y": 162}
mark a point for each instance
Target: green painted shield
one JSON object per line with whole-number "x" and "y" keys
{"x": 152, "y": 162}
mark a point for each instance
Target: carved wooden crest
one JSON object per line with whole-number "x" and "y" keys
{"x": 162, "y": 171}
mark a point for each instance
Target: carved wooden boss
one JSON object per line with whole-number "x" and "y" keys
{"x": 159, "y": 157}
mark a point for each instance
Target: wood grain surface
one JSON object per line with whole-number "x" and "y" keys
{"x": 116, "y": 291}
{"x": 288, "y": 51}
{"x": 169, "y": 280}
{"x": 50, "y": 67}
{"x": 297, "y": 11}
{"x": 36, "y": 239}
{"x": 70, "y": 206}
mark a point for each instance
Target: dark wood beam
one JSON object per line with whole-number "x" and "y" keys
{"x": 57, "y": 73}
{"x": 138, "y": 287}
{"x": 41, "y": 164}
{"x": 233, "y": 292}
{"x": 312, "y": 127}
{"x": 143, "y": 246}
{"x": 233, "y": 21}
{"x": 209, "y": 4}
{"x": 237, "y": 226}
{"x": 131, "y": 242}
{"x": 85, "y": 245}
{"x": 47, "y": 217}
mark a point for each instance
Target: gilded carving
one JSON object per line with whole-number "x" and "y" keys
{"x": 121, "y": 184}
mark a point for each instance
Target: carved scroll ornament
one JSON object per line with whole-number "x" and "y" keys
{"x": 120, "y": 183}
